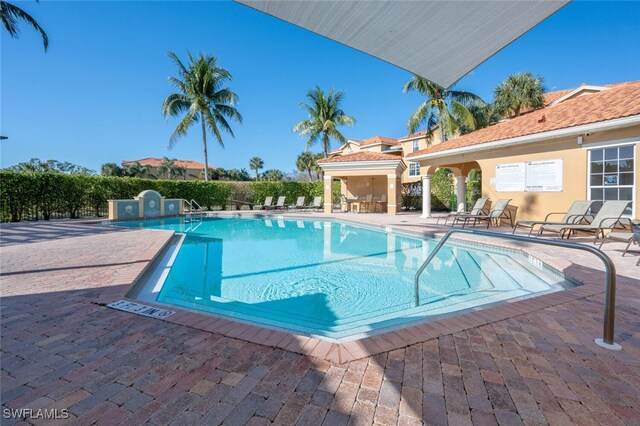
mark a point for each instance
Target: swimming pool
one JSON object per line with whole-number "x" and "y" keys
{"x": 328, "y": 278}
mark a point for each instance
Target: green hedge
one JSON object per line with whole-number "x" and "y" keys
{"x": 50, "y": 195}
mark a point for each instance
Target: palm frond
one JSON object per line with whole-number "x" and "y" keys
{"x": 11, "y": 14}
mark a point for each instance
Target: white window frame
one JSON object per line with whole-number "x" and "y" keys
{"x": 412, "y": 169}
{"x": 635, "y": 170}
{"x": 415, "y": 146}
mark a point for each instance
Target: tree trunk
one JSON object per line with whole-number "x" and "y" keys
{"x": 310, "y": 176}
{"x": 204, "y": 145}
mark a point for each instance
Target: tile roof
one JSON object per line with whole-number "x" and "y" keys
{"x": 377, "y": 139}
{"x": 360, "y": 156}
{"x": 621, "y": 100}
{"x": 156, "y": 162}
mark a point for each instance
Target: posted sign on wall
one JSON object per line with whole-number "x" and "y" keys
{"x": 532, "y": 176}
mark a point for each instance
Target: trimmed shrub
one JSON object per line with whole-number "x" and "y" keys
{"x": 34, "y": 196}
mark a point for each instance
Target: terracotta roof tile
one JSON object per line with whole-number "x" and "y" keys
{"x": 378, "y": 139}
{"x": 621, "y": 100}
{"x": 360, "y": 156}
{"x": 156, "y": 162}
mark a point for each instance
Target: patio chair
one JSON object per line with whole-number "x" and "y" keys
{"x": 574, "y": 215}
{"x": 279, "y": 204}
{"x": 382, "y": 202}
{"x": 498, "y": 212}
{"x": 317, "y": 204}
{"x": 298, "y": 205}
{"x": 267, "y": 203}
{"x": 366, "y": 204}
{"x": 627, "y": 237}
{"x": 479, "y": 208}
{"x": 607, "y": 218}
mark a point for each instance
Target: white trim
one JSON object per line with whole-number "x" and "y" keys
{"x": 617, "y": 142}
{"x": 578, "y": 90}
{"x": 363, "y": 165}
{"x": 392, "y": 176}
{"x": 536, "y": 137}
{"x": 635, "y": 176}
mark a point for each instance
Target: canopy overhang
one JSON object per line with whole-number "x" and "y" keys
{"x": 438, "y": 40}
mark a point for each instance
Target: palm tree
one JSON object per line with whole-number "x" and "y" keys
{"x": 256, "y": 164}
{"x": 110, "y": 169}
{"x": 10, "y": 15}
{"x": 448, "y": 109}
{"x": 136, "y": 170}
{"x": 170, "y": 169}
{"x": 325, "y": 116}
{"x": 306, "y": 162}
{"x": 203, "y": 98}
{"x": 519, "y": 92}
{"x": 273, "y": 175}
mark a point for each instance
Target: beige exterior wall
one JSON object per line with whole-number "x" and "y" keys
{"x": 407, "y": 148}
{"x": 535, "y": 205}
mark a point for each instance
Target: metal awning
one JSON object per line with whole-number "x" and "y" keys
{"x": 439, "y": 40}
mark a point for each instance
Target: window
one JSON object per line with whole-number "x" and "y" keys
{"x": 611, "y": 173}
{"x": 416, "y": 145}
{"x": 414, "y": 169}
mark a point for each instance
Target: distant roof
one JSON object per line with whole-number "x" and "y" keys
{"x": 378, "y": 139}
{"x": 615, "y": 101}
{"x": 156, "y": 162}
{"x": 439, "y": 40}
{"x": 360, "y": 156}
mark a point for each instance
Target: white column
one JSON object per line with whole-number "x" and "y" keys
{"x": 461, "y": 191}
{"x": 426, "y": 196}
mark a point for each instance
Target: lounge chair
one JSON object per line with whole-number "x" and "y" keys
{"x": 574, "y": 215}
{"x": 317, "y": 203}
{"x": 279, "y": 204}
{"x": 498, "y": 212}
{"x": 298, "y": 205}
{"x": 607, "y": 218}
{"x": 627, "y": 237}
{"x": 479, "y": 209}
{"x": 267, "y": 203}
{"x": 382, "y": 202}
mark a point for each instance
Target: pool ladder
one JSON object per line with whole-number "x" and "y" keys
{"x": 609, "y": 271}
{"x": 194, "y": 213}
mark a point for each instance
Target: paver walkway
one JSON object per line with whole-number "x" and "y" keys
{"x": 62, "y": 349}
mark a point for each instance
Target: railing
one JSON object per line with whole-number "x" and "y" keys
{"x": 195, "y": 213}
{"x": 610, "y": 275}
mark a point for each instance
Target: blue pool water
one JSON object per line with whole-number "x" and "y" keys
{"x": 331, "y": 279}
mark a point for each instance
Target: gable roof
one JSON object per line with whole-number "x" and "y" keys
{"x": 621, "y": 100}
{"x": 157, "y": 162}
{"x": 378, "y": 140}
{"x": 360, "y": 156}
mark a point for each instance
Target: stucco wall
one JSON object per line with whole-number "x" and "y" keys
{"x": 535, "y": 205}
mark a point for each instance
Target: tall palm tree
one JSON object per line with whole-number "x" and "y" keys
{"x": 519, "y": 92}
{"x": 306, "y": 162}
{"x": 10, "y": 14}
{"x": 448, "y": 109}
{"x": 256, "y": 164}
{"x": 325, "y": 116}
{"x": 201, "y": 97}
{"x": 137, "y": 170}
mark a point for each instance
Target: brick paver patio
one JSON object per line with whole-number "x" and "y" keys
{"x": 61, "y": 348}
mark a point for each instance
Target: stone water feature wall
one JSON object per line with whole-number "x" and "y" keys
{"x": 147, "y": 204}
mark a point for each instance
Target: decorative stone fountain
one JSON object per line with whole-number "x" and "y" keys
{"x": 147, "y": 204}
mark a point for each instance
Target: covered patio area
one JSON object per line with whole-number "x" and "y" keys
{"x": 460, "y": 172}
{"x": 369, "y": 182}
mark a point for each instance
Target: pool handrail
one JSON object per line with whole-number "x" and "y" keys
{"x": 610, "y": 275}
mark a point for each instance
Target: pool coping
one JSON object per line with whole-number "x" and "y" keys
{"x": 401, "y": 336}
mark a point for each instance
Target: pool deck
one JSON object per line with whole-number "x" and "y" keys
{"x": 526, "y": 362}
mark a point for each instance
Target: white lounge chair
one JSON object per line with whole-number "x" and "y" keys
{"x": 498, "y": 212}
{"x": 298, "y": 205}
{"x": 267, "y": 203}
{"x": 479, "y": 209}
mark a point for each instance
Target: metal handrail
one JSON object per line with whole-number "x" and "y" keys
{"x": 610, "y": 275}
{"x": 194, "y": 203}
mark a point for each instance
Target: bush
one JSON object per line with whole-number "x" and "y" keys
{"x": 33, "y": 196}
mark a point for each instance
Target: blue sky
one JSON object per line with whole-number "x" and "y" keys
{"x": 95, "y": 96}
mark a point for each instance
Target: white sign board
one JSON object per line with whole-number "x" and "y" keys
{"x": 544, "y": 176}
{"x": 510, "y": 177}
{"x": 532, "y": 176}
